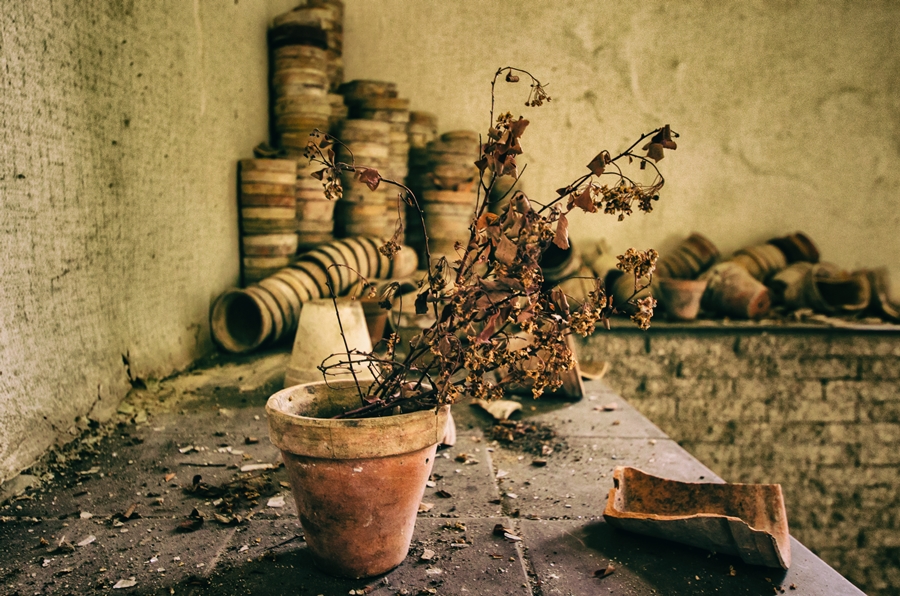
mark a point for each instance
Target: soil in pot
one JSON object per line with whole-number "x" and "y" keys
{"x": 357, "y": 483}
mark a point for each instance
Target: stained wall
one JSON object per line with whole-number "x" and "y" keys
{"x": 121, "y": 125}
{"x": 789, "y": 111}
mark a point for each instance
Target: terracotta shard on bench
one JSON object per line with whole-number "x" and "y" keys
{"x": 746, "y": 520}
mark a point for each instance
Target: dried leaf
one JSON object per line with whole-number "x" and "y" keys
{"x": 443, "y": 494}
{"x": 561, "y": 239}
{"x": 654, "y": 151}
{"x": 320, "y": 174}
{"x": 369, "y": 176}
{"x": 487, "y": 218}
{"x": 506, "y": 251}
{"x": 585, "y": 200}
{"x": 606, "y": 571}
{"x": 191, "y": 524}
{"x": 598, "y": 164}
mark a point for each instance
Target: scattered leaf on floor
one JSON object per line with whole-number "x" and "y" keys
{"x": 608, "y": 570}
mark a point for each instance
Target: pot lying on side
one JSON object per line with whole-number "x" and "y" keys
{"x": 357, "y": 483}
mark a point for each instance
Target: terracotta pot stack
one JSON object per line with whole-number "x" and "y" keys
{"x": 328, "y": 17}
{"x": 268, "y": 216}
{"x": 339, "y": 113}
{"x": 378, "y": 101}
{"x": 448, "y": 214}
{"x": 362, "y": 211}
{"x": 394, "y": 111}
{"x": 797, "y": 247}
{"x": 299, "y": 80}
{"x": 762, "y": 262}
{"x": 689, "y": 259}
{"x": 452, "y": 160}
{"x": 242, "y": 320}
{"x": 315, "y": 213}
{"x": 422, "y": 130}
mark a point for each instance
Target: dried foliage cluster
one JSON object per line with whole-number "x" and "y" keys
{"x": 496, "y": 322}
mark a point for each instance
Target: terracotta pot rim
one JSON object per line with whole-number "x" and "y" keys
{"x": 328, "y": 438}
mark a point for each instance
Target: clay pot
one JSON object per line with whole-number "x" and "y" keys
{"x": 829, "y": 290}
{"x": 733, "y": 291}
{"x": 559, "y": 264}
{"x": 243, "y": 320}
{"x": 319, "y": 336}
{"x": 797, "y": 247}
{"x": 689, "y": 259}
{"x": 882, "y": 302}
{"x": 357, "y": 483}
{"x": 240, "y": 321}
{"x": 762, "y": 262}
{"x": 680, "y": 297}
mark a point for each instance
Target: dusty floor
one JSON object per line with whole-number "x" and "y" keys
{"x": 169, "y": 499}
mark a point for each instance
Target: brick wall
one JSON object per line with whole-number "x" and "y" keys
{"x": 816, "y": 410}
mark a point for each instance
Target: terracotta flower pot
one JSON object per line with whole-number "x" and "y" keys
{"x": 357, "y": 483}
{"x": 681, "y": 297}
{"x": 733, "y": 291}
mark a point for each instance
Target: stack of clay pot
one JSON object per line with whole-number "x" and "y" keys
{"x": 395, "y": 111}
{"x": 689, "y": 259}
{"x": 242, "y": 320}
{"x": 334, "y": 30}
{"x": 452, "y": 160}
{"x": 448, "y": 215}
{"x": 327, "y": 16}
{"x": 422, "y": 130}
{"x": 339, "y": 113}
{"x": 361, "y": 210}
{"x": 762, "y": 261}
{"x": 449, "y": 203}
{"x": 378, "y": 101}
{"x": 797, "y": 247}
{"x": 315, "y": 213}
{"x": 268, "y": 216}
{"x": 300, "y": 83}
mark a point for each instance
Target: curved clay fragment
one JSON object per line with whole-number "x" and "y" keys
{"x": 746, "y": 520}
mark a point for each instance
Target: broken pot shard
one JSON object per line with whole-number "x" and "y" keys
{"x": 500, "y": 409}
{"x": 746, "y": 520}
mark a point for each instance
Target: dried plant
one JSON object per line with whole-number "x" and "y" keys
{"x": 497, "y": 323}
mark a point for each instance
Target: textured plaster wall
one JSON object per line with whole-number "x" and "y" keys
{"x": 789, "y": 110}
{"x": 120, "y": 126}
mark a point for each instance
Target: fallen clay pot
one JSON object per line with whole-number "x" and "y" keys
{"x": 746, "y": 520}
{"x": 681, "y": 297}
